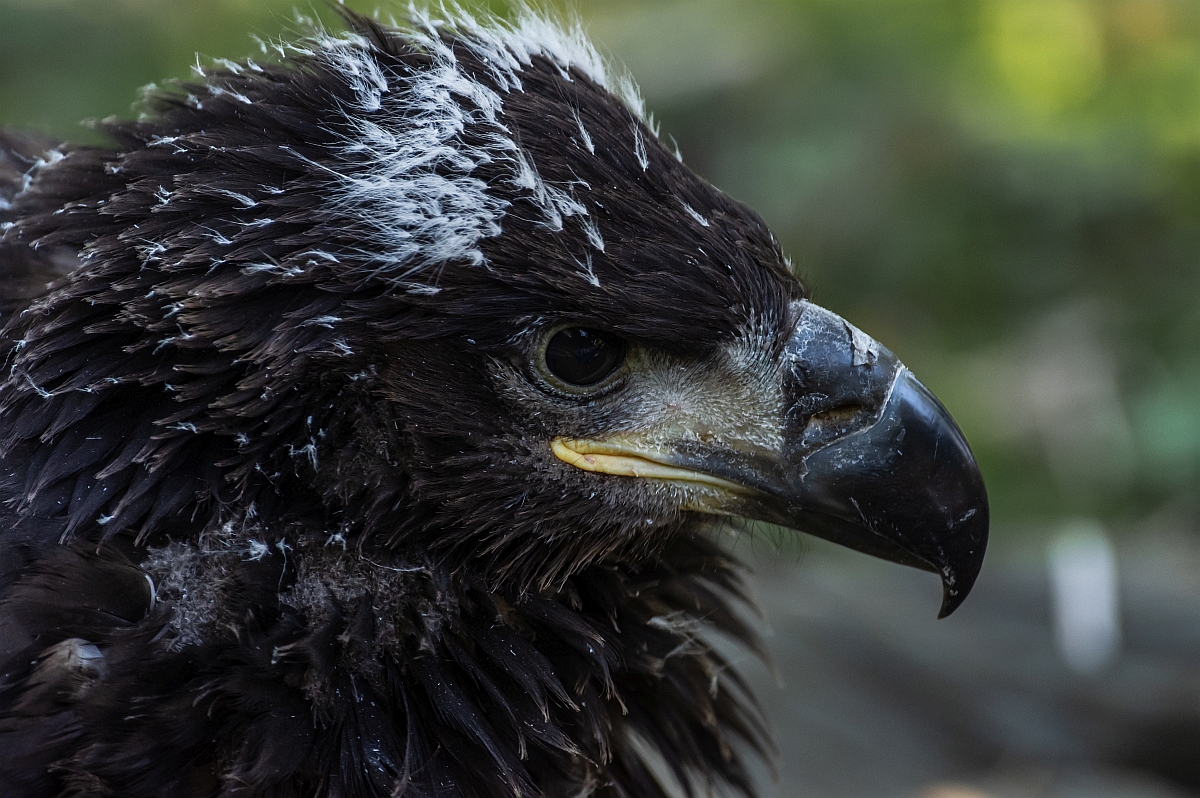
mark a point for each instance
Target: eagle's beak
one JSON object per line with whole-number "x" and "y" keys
{"x": 872, "y": 460}
{"x": 869, "y": 459}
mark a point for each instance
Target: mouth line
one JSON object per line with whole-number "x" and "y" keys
{"x": 625, "y": 459}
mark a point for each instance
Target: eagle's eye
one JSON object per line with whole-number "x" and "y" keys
{"x": 582, "y": 357}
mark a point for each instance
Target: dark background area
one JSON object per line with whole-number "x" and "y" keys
{"x": 1004, "y": 192}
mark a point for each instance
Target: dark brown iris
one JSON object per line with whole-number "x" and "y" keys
{"x": 581, "y": 357}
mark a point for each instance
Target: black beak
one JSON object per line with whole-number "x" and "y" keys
{"x": 872, "y": 459}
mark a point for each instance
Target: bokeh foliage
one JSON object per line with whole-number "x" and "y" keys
{"x": 1006, "y": 192}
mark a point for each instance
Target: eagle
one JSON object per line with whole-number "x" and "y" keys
{"x": 369, "y": 415}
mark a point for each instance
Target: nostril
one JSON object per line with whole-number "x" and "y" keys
{"x": 831, "y": 424}
{"x": 836, "y": 416}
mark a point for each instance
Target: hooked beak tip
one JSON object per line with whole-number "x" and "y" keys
{"x": 959, "y": 579}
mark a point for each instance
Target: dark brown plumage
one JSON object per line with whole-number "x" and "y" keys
{"x": 296, "y": 504}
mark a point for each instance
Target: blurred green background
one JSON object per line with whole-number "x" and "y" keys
{"x": 1006, "y": 192}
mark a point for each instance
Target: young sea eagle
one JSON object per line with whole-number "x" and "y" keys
{"x": 364, "y": 410}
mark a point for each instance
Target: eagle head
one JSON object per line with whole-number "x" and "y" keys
{"x": 394, "y": 357}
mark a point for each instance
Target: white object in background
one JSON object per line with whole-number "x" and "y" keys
{"x": 1083, "y": 582}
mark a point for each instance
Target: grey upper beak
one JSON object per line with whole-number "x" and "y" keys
{"x": 871, "y": 459}
{"x": 874, "y": 461}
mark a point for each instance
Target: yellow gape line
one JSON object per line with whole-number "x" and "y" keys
{"x": 623, "y": 459}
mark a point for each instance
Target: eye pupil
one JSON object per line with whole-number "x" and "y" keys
{"x": 580, "y": 356}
